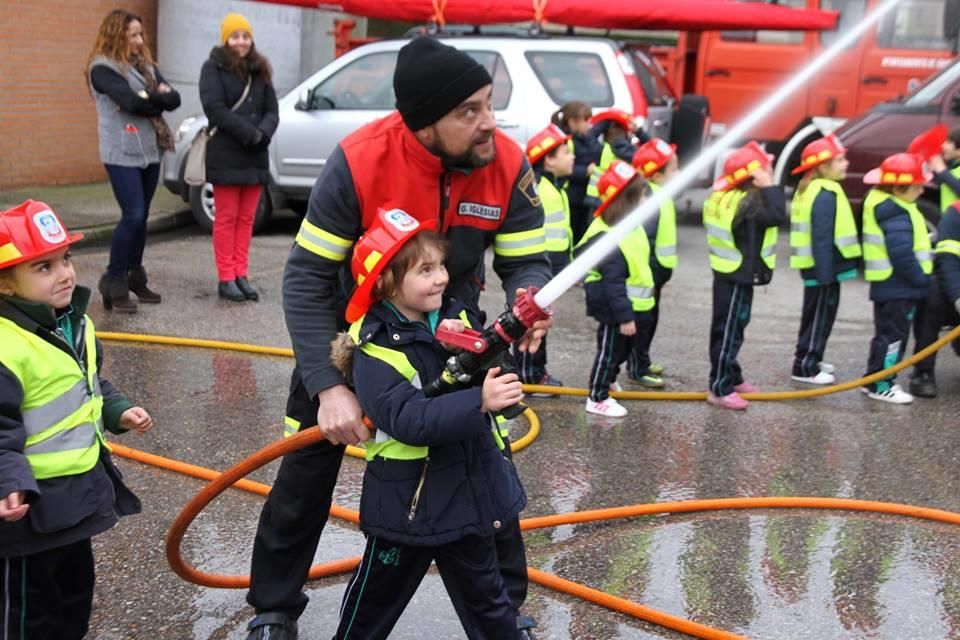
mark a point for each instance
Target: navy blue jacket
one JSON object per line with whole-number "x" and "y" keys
{"x": 908, "y": 281}
{"x": 829, "y": 263}
{"x": 469, "y": 487}
{"x": 758, "y": 210}
{"x": 586, "y": 151}
{"x": 947, "y": 265}
{"x": 607, "y": 300}
{"x": 67, "y": 509}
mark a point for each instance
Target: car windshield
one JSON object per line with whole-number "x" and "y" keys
{"x": 934, "y": 87}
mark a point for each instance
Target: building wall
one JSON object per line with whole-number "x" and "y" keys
{"x": 48, "y": 123}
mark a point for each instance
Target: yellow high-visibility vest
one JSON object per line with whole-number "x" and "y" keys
{"x": 876, "y": 260}
{"x": 665, "y": 244}
{"x": 719, "y": 212}
{"x": 636, "y": 251}
{"x": 556, "y": 217}
{"x": 801, "y": 227}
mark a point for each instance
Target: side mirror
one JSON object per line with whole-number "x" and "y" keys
{"x": 303, "y": 101}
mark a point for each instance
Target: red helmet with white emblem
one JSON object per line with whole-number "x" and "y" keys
{"x": 373, "y": 252}
{"x": 742, "y": 164}
{"x": 819, "y": 151}
{"x": 900, "y": 169}
{"x": 29, "y": 231}
{"x": 653, "y": 155}
{"x": 612, "y": 183}
{"x": 544, "y": 142}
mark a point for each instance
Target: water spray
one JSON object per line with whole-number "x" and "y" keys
{"x": 607, "y": 243}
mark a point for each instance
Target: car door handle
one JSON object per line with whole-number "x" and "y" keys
{"x": 718, "y": 72}
{"x": 659, "y": 123}
{"x": 874, "y": 80}
{"x": 503, "y": 124}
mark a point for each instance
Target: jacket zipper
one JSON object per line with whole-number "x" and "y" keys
{"x": 416, "y": 494}
{"x": 445, "y": 180}
{"x": 71, "y": 350}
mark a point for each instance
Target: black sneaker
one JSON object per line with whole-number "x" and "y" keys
{"x": 923, "y": 384}
{"x": 548, "y": 381}
{"x": 272, "y": 625}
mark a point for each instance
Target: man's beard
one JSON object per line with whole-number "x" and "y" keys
{"x": 469, "y": 159}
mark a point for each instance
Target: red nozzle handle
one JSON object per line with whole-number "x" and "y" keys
{"x": 527, "y": 310}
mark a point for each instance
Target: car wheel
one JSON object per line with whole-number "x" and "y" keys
{"x": 204, "y": 210}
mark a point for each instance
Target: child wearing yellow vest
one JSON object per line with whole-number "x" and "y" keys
{"x": 898, "y": 263}
{"x": 619, "y": 290}
{"x": 552, "y": 160}
{"x": 741, "y": 218}
{"x": 658, "y": 162}
{"x": 825, "y": 247}
{"x": 58, "y": 486}
{"x": 946, "y": 170}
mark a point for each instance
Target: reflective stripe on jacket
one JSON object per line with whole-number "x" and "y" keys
{"x": 801, "y": 226}
{"x": 635, "y": 248}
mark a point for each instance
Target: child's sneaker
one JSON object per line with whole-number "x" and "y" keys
{"x": 746, "y": 387}
{"x": 893, "y": 395}
{"x": 822, "y": 377}
{"x": 826, "y": 367}
{"x": 649, "y": 380}
{"x": 548, "y": 381}
{"x": 656, "y": 368}
{"x": 729, "y": 401}
{"x": 609, "y": 407}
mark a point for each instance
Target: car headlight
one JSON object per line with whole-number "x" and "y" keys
{"x": 184, "y": 127}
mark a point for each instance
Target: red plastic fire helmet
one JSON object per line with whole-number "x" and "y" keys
{"x": 622, "y": 118}
{"x": 373, "y": 252}
{"x": 900, "y": 169}
{"x": 741, "y": 165}
{"x": 653, "y": 155}
{"x": 544, "y": 142}
{"x": 930, "y": 142}
{"x": 819, "y": 151}
{"x": 612, "y": 183}
{"x": 31, "y": 230}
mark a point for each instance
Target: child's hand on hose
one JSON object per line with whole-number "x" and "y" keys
{"x": 500, "y": 392}
{"x": 136, "y": 419}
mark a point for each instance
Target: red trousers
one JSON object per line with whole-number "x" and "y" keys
{"x": 235, "y": 206}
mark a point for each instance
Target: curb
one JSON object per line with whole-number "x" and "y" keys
{"x": 157, "y": 222}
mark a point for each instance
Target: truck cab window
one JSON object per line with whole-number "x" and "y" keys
{"x": 913, "y": 24}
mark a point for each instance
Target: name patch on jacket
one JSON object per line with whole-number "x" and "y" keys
{"x": 479, "y": 210}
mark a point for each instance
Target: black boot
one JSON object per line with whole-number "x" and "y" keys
{"x": 116, "y": 294}
{"x": 923, "y": 384}
{"x": 228, "y": 290}
{"x": 249, "y": 292}
{"x": 272, "y": 625}
{"x": 137, "y": 278}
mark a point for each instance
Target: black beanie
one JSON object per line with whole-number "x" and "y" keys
{"x": 432, "y": 78}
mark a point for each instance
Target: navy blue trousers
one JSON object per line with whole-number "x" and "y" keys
{"x": 133, "y": 188}
{"x": 613, "y": 349}
{"x": 390, "y": 573}
{"x": 891, "y": 325}
{"x": 732, "y": 303}
{"x": 820, "y": 305}
{"x": 638, "y": 363}
{"x": 47, "y": 595}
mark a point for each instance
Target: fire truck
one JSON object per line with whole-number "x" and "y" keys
{"x": 736, "y": 69}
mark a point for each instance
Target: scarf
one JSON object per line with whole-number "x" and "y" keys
{"x": 164, "y": 135}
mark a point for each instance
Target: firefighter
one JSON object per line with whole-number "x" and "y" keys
{"x": 552, "y": 161}
{"x": 58, "y": 485}
{"x": 825, "y": 247}
{"x": 658, "y": 162}
{"x": 741, "y": 219}
{"x": 898, "y": 264}
{"x": 438, "y": 157}
{"x": 470, "y": 489}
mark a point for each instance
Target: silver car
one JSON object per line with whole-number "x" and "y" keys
{"x": 532, "y": 77}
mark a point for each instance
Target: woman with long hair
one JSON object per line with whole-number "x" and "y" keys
{"x": 131, "y": 96}
{"x": 238, "y": 97}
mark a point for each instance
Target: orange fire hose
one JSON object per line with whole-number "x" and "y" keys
{"x": 234, "y": 476}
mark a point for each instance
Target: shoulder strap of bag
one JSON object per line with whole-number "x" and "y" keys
{"x": 236, "y": 105}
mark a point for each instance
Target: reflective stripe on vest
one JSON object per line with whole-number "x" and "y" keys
{"x": 62, "y": 405}
{"x": 948, "y": 246}
{"x": 947, "y": 195}
{"x": 719, "y": 212}
{"x": 876, "y": 260}
{"x": 556, "y": 219}
{"x": 290, "y": 426}
{"x": 665, "y": 244}
{"x": 635, "y": 248}
{"x": 801, "y": 227}
{"x": 607, "y": 156}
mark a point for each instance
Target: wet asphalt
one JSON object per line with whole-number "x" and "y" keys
{"x": 763, "y": 574}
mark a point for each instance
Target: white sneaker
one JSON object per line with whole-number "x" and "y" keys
{"x": 821, "y": 378}
{"x": 826, "y": 367}
{"x": 609, "y": 407}
{"x": 893, "y": 395}
{"x": 616, "y": 386}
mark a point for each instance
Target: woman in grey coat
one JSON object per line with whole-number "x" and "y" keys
{"x": 130, "y": 96}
